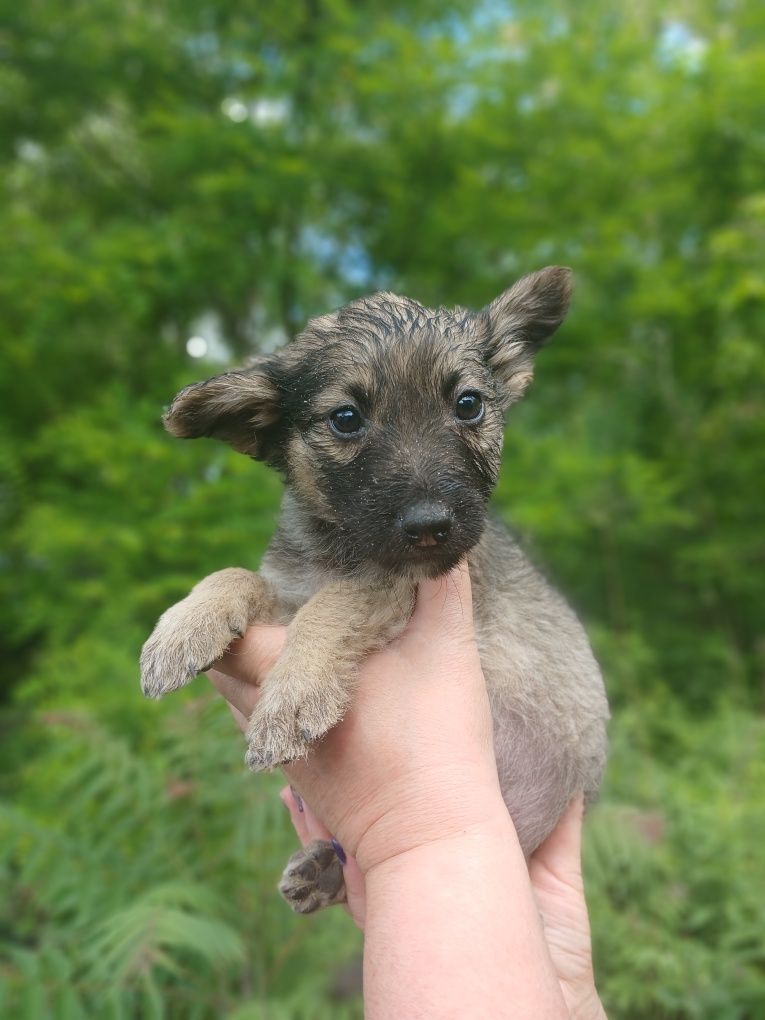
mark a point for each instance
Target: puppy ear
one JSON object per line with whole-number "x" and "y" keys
{"x": 237, "y": 407}
{"x": 521, "y": 320}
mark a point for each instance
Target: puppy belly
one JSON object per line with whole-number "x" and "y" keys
{"x": 541, "y": 768}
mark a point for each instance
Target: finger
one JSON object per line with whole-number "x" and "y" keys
{"x": 239, "y": 718}
{"x": 294, "y": 805}
{"x": 240, "y": 695}
{"x": 561, "y": 852}
{"x": 306, "y": 822}
{"x": 249, "y": 658}
{"x": 308, "y": 827}
{"x": 445, "y": 604}
{"x": 355, "y": 888}
{"x": 316, "y": 828}
{"x": 354, "y": 879}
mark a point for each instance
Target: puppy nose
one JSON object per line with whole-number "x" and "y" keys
{"x": 427, "y": 524}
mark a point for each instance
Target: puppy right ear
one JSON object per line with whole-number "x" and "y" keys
{"x": 237, "y": 407}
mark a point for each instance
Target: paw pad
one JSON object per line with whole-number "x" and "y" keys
{"x": 313, "y": 878}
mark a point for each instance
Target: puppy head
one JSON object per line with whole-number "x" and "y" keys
{"x": 387, "y": 418}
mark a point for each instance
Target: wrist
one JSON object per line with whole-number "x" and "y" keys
{"x": 452, "y": 929}
{"x": 470, "y": 815}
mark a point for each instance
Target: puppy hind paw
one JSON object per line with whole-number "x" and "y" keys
{"x": 313, "y": 878}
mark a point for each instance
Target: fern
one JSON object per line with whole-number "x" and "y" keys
{"x": 143, "y": 884}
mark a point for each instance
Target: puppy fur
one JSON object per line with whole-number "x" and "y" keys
{"x": 389, "y": 491}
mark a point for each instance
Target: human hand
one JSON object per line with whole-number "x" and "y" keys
{"x": 413, "y": 759}
{"x": 555, "y": 873}
{"x": 412, "y": 767}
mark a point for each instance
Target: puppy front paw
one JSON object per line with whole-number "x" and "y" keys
{"x": 293, "y": 711}
{"x": 313, "y": 878}
{"x": 188, "y": 638}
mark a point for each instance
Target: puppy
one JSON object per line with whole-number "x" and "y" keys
{"x": 386, "y": 420}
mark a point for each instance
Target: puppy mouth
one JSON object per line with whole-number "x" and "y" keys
{"x": 429, "y": 559}
{"x": 432, "y": 561}
{"x": 428, "y": 549}
{"x": 437, "y": 561}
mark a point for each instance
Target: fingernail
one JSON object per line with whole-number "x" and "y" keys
{"x": 339, "y": 851}
{"x": 298, "y": 799}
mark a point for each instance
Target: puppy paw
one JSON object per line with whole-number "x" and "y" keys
{"x": 292, "y": 713}
{"x": 313, "y": 878}
{"x": 188, "y": 638}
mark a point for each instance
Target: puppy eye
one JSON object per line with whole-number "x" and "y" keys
{"x": 346, "y": 421}
{"x": 469, "y": 407}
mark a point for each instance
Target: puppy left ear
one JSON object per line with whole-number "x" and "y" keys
{"x": 521, "y": 320}
{"x": 237, "y": 407}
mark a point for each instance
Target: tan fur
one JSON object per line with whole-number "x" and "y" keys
{"x": 303, "y": 474}
{"x": 195, "y": 632}
{"x": 309, "y": 689}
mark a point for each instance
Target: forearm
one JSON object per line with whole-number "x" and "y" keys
{"x": 452, "y": 930}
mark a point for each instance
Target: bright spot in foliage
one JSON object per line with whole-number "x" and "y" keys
{"x": 265, "y": 112}
{"x": 196, "y": 346}
{"x": 261, "y": 112}
{"x": 234, "y": 109}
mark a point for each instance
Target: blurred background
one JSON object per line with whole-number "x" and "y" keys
{"x": 183, "y": 183}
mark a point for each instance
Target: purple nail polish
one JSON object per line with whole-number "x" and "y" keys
{"x": 339, "y": 851}
{"x": 298, "y": 799}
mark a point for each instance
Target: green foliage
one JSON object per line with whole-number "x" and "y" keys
{"x": 141, "y": 874}
{"x": 167, "y": 165}
{"x": 675, "y": 867}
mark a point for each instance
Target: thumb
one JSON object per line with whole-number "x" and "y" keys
{"x": 561, "y": 852}
{"x": 445, "y": 605}
{"x": 240, "y": 670}
{"x": 249, "y": 658}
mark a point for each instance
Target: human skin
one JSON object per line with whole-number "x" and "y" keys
{"x": 407, "y": 784}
